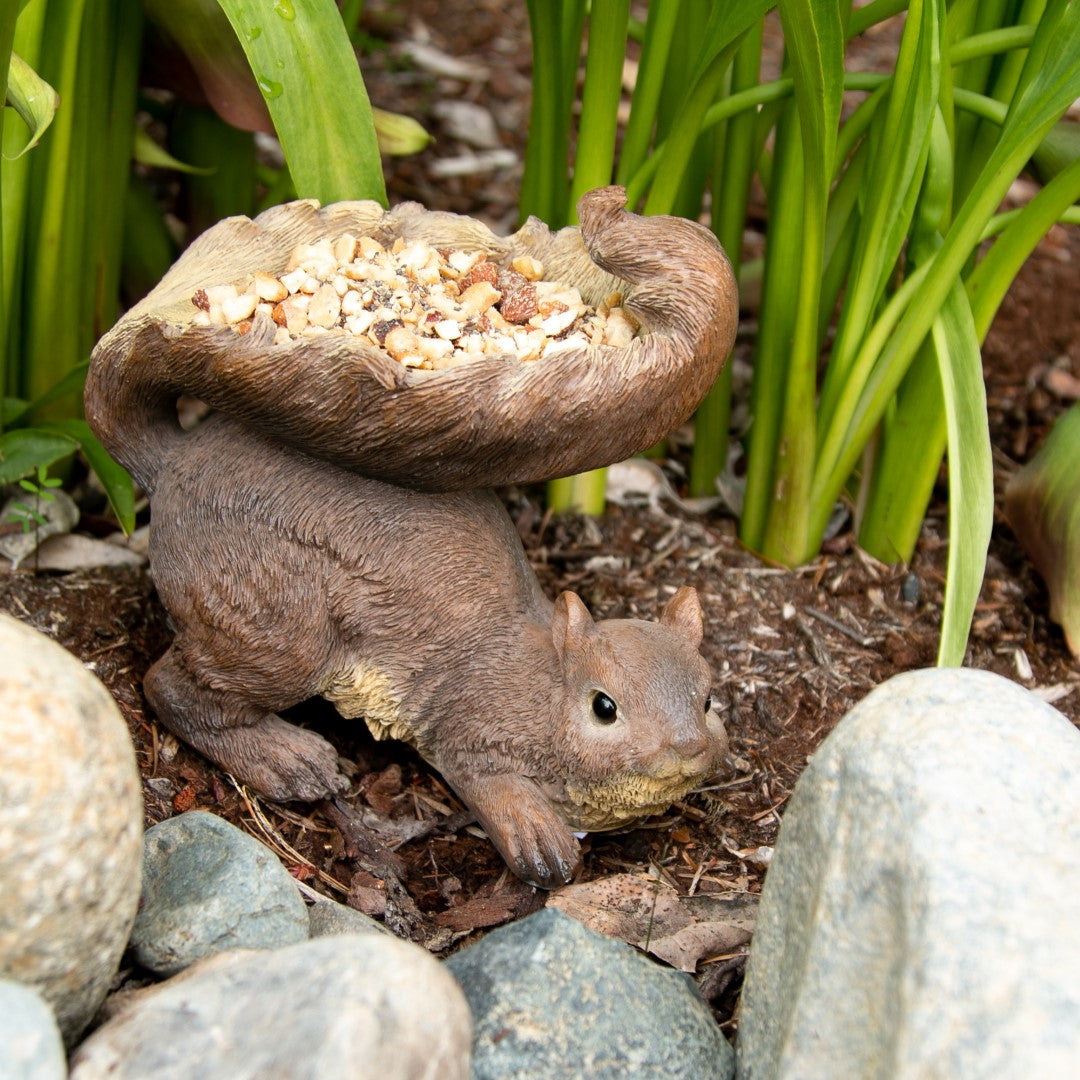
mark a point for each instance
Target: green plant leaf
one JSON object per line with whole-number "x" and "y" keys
{"x": 971, "y": 470}
{"x": 55, "y": 233}
{"x": 990, "y": 280}
{"x": 200, "y": 30}
{"x": 1049, "y": 83}
{"x": 22, "y": 451}
{"x": 555, "y": 27}
{"x": 32, "y": 98}
{"x": 734, "y": 157}
{"x": 726, "y": 26}
{"x": 814, "y": 38}
{"x": 398, "y": 134}
{"x": 727, "y": 23}
{"x": 901, "y": 145}
{"x": 305, "y": 67}
{"x": 895, "y": 491}
{"x": 595, "y": 156}
{"x": 147, "y": 152}
{"x": 115, "y": 480}
{"x": 659, "y": 30}
{"x": 10, "y": 410}
{"x": 71, "y": 383}
{"x": 780, "y": 282}
{"x": 1058, "y": 150}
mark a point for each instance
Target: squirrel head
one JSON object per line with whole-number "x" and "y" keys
{"x": 636, "y": 729}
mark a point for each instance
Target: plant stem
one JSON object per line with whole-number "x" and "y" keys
{"x": 592, "y": 168}
{"x": 898, "y": 159}
{"x": 584, "y": 492}
{"x": 659, "y": 30}
{"x": 600, "y": 99}
{"x": 814, "y": 42}
{"x": 775, "y": 326}
{"x": 55, "y": 238}
{"x": 732, "y": 175}
{"x": 545, "y": 185}
{"x": 7, "y": 39}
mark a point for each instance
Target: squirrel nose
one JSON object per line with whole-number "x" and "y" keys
{"x": 690, "y": 744}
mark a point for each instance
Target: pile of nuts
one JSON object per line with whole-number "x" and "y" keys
{"x": 426, "y": 307}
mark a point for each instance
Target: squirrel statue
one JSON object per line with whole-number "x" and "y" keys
{"x": 322, "y": 533}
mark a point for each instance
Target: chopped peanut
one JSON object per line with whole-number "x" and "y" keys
{"x": 425, "y": 307}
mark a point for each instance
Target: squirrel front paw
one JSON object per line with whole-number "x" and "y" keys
{"x": 521, "y": 824}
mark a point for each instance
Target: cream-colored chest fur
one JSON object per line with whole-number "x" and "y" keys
{"x": 365, "y": 691}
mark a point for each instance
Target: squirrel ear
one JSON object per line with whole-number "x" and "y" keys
{"x": 683, "y": 614}
{"x": 571, "y": 624}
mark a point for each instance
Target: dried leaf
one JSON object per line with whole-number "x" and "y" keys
{"x": 382, "y": 792}
{"x": 478, "y": 912}
{"x": 367, "y": 894}
{"x": 514, "y": 900}
{"x": 651, "y": 915}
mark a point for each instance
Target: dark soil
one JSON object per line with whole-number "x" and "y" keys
{"x": 791, "y": 651}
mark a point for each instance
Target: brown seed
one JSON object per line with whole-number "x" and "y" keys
{"x": 383, "y": 327}
{"x": 482, "y": 271}
{"x": 415, "y": 307}
{"x": 518, "y": 303}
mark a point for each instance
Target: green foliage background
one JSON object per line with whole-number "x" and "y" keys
{"x": 883, "y": 214}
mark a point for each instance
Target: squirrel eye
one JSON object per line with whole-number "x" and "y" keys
{"x": 603, "y": 707}
{"x": 708, "y": 703}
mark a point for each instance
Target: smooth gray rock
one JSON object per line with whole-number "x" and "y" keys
{"x": 921, "y": 915}
{"x": 551, "y": 998}
{"x": 73, "y": 551}
{"x": 355, "y": 1005}
{"x": 60, "y": 515}
{"x": 208, "y": 887}
{"x": 31, "y": 1047}
{"x": 327, "y": 918}
{"x": 70, "y": 826}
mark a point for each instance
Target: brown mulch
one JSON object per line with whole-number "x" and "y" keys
{"x": 791, "y": 651}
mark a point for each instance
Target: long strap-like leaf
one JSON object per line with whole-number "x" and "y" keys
{"x": 300, "y": 54}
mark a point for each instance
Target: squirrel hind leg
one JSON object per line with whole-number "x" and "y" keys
{"x": 280, "y": 760}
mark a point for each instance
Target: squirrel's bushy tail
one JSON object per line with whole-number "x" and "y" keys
{"x": 483, "y": 424}
{"x": 130, "y": 403}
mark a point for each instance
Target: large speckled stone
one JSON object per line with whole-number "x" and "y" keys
{"x": 921, "y": 915}
{"x": 70, "y": 826}
{"x": 551, "y": 998}
{"x": 208, "y": 886}
{"x": 352, "y": 1005}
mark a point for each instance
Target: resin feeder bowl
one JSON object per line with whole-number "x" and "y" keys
{"x": 486, "y": 423}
